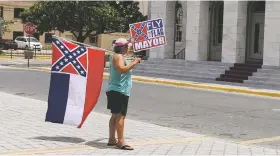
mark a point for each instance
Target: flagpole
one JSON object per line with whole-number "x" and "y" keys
{"x": 106, "y": 50}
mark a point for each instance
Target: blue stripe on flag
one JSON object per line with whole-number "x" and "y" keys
{"x": 58, "y": 95}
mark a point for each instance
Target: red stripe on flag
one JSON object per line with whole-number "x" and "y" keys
{"x": 83, "y": 60}
{"x": 94, "y": 80}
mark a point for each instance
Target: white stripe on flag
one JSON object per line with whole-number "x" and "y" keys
{"x": 76, "y": 100}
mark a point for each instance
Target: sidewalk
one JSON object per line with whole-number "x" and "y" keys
{"x": 24, "y": 131}
{"x": 20, "y": 62}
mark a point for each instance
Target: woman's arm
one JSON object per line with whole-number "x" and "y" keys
{"x": 118, "y": 61}
{"x": 130, "y": 46}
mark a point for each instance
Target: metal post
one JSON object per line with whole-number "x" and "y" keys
{"x": 35, "y": 52}
{"x": 11, "y": 53}
{"x": 28, "y": 51}
{"x": 29, "y": 42}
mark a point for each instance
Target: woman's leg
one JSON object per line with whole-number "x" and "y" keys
{"x": 112, "y": 130}
{"x": 120, "y": 129}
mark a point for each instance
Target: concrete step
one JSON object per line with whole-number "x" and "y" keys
{"x": 247, "y": 65}
{"x": 189, "y": 69}
{"x": 260, "y": 74}
{"x": 243, "y": 69}
{"x": 267, "y": 70}
{"x": 165, "y": 72}
{"x": 176, "y": 74}
{"x": 234, "y": 76}
{"x": 208, "y": 80}
{"x": 229, "y": 80}
{"x": 264, "y": 83}
{"x": 265, "y": 79}
{"x": 180, "y": 67}
{"x": 245, "y": 73}
{"x": 180, "y": 62}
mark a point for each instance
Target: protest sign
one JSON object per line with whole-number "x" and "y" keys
{"x": 147, "y": 34}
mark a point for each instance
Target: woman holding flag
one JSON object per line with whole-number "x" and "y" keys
{"x": 118, "y": 92}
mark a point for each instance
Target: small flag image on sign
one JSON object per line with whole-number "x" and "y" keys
{"x": 148, "y": 34}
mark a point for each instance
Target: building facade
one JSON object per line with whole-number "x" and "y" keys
{"x": 10, "y": 11}
{"x": 224, "y": 31}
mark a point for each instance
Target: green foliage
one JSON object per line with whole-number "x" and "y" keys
{"x": 82, "y": 18}
{"x": 4, "y": 26}
{"x": 128, "y": 12}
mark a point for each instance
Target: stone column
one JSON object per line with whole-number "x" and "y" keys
{"x": 197, "y": 30}
{"x": 234, "y": 31}
{"x": 166, "y": 11}
{"x": 271, "y": 53}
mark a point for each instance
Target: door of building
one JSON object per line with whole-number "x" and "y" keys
{"x": 257, "y": 37}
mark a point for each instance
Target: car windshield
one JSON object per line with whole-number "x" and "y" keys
{"x": 32, "y": 40}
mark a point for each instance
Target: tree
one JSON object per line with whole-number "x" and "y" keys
{"x": 4, "y": 26}
{"x": 81, "y": 18}
{"x": 129, "y": 13}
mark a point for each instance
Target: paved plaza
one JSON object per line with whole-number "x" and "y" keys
{"x": 24, "y": 131}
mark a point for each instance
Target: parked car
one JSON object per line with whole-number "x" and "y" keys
{"x": 8, "y": 44}
{"x": 23, "y": 43}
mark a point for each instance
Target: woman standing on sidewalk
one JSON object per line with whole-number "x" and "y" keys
{"x": 118, "y": 91}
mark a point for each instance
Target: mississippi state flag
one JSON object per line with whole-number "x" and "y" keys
{"x": 76, "y": 80}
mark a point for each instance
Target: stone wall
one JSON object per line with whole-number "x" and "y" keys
{"x": 197, "y": 30}
{"x": 164, "y": 10}
{"x": 271, "y": 54}
{"x": 234, "y": 31}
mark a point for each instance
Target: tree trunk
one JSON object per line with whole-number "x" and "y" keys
{"x": 81, "y": 38}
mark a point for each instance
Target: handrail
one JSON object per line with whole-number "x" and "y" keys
{"x": 180, "y": 55}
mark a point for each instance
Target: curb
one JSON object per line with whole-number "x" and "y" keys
{"x": 16, "y": 57}
{"x": 196, "y": 85}
{"x": 203, "y": 86}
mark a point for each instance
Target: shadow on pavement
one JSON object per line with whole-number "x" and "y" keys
{"x": 99, "y": 145}
{"x": 94, "y": 143}
{"x": 61, "y": 139}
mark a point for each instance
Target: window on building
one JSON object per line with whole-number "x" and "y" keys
{"x": 1, "y": 11}
{"x": 93, "y": 39}
{"x": 179, "y": 23}
{"x": 16, "y": 34}
{"x": 48, "y": 38}
{"x": 218, "y": 20}
{"x": 17, "y": 12}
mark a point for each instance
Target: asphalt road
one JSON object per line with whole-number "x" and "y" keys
{"x": 223, "y": 115}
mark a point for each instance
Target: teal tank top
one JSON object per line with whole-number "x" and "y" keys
{"x": 119, "y": 82}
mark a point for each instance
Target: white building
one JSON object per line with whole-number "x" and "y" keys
{"x": 225, "y": 31}
{"x": 143, "y": 7}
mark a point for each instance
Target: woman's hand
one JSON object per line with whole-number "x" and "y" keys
{"x": 132, "y": 40}
{"x": 137, "y": 60}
